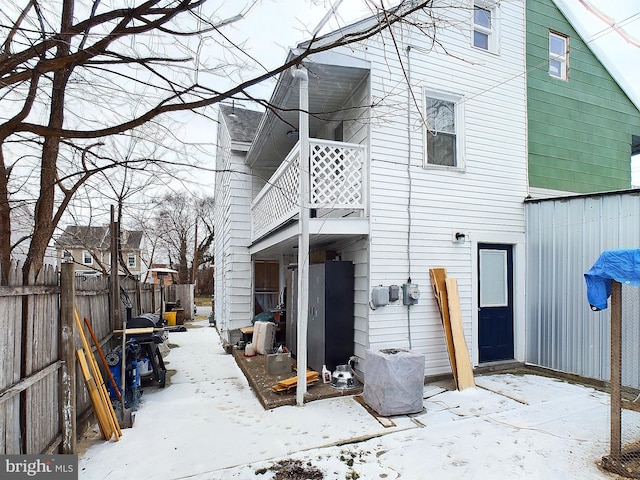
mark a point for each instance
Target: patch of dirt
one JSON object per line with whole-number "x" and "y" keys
{"x": 296, "y": 470}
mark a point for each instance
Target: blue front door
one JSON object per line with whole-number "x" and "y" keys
{"x": 495, "y": 302}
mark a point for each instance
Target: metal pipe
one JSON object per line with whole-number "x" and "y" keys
{"x": 409, "y": 146}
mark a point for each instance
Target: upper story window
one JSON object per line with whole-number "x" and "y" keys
{"x": 131, "y": 259}
{"x": 558, "y": 55}
{"x": 87, "y": 259}
{"x": 485, "y": 20}
{"x": 444, "y": 132}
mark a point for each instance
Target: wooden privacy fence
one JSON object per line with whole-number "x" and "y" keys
{"x": 41, "y": 398}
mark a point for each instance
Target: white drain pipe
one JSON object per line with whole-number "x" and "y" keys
{"x": 303, "y": 236}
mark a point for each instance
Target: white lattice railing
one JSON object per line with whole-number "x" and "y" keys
{"x": 336, "y": 175}
{"x": 336, "y": 182}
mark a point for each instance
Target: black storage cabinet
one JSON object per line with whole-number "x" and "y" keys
{"x": 330, "y": 327}
{"x": 331, "y": 308}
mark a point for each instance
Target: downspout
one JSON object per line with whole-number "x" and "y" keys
{"x": 409, "y": 145}
{"x": 303, "y": 236}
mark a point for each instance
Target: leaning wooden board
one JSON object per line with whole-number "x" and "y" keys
{"x": 463, "y": 362}
{"x": 113, "y": 429}
{"x": 438, "y": 277}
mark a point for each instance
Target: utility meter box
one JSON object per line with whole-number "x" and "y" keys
{"x": 394, "y": 293}
{"x": 380, "y": 296}
{"x": 410, "y": 294}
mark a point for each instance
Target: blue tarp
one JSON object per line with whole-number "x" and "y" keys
{"x": 620, "y": 265}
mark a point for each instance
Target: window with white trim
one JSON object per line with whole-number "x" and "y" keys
{"x": 485, "y": 26}
{"x": 481, "y": 27}
{"x": 558, "y": 55}
{"x": 131, "y": 260}
{"x": 87, "y": 259}
{"x": 443, "y": 130}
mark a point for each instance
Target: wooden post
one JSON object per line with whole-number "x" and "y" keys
{"x": 616, "y": 371}
{"x": 114, "y": 280}
{"x": 67, "y": 355}
{"x": 138, "y": 307}
{"x": 153, "y": 298}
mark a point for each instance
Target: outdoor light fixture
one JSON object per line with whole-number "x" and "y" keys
{"x": 460, "y": 237}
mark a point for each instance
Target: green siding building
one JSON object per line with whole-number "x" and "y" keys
{"x": 581, "y": 125}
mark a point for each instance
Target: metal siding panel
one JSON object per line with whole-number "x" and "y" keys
{"x": 564, "y": 238}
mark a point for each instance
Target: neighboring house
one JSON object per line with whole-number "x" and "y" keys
{"x": 583, "y": 128}
{"x": 400, "y": 180}
{"x": 88, "y": 248}
{"x": 233, "y": 187}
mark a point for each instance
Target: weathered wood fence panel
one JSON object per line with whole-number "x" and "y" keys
{"x": 30, "y": 363}
{"x": 42, "y": 408}
{"x": 184, "y": 293}
{"x": 10, "y": 353}
{"x": 144, "y": 297}
{"x": 149, "y": 298}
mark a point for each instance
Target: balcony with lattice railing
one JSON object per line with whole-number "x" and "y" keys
{"x": 337, "y": 186}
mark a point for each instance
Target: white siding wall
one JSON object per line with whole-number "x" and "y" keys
{"x": 485, "y": 200}
{"x": 233, "y": 287}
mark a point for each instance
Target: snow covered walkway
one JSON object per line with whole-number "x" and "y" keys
{"x": 208, "y": 424}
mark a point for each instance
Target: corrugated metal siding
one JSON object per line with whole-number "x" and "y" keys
{"x": 564, "y": 239}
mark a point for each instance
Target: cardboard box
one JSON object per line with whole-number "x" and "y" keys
{"x": 279, "y": 363}
{"x": 321, "y": 256}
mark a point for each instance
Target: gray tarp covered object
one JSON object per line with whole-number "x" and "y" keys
{"x": 394, "y": 381}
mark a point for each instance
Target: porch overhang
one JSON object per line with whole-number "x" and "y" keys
{"x": 333, "y": 77}
{"x": 322, "y": 233}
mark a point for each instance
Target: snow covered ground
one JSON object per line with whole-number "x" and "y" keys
{"x": 208, "y": 425}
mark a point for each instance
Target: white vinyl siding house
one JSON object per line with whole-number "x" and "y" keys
{"x": 413, "y": 208}
{"x": 415, "y": 211}
{"x": 233, "y": 266}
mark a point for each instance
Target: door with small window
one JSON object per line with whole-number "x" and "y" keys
{"x": 495, "y": 302}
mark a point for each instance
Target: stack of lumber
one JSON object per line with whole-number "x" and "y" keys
{"x": 446, "y": 293}
{"x": 98, "y": 393}
{"x": 290, "y": 383}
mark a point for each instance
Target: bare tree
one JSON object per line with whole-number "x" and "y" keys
{"x": 73, "y": 73}
{"x": 185, "y": 231}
